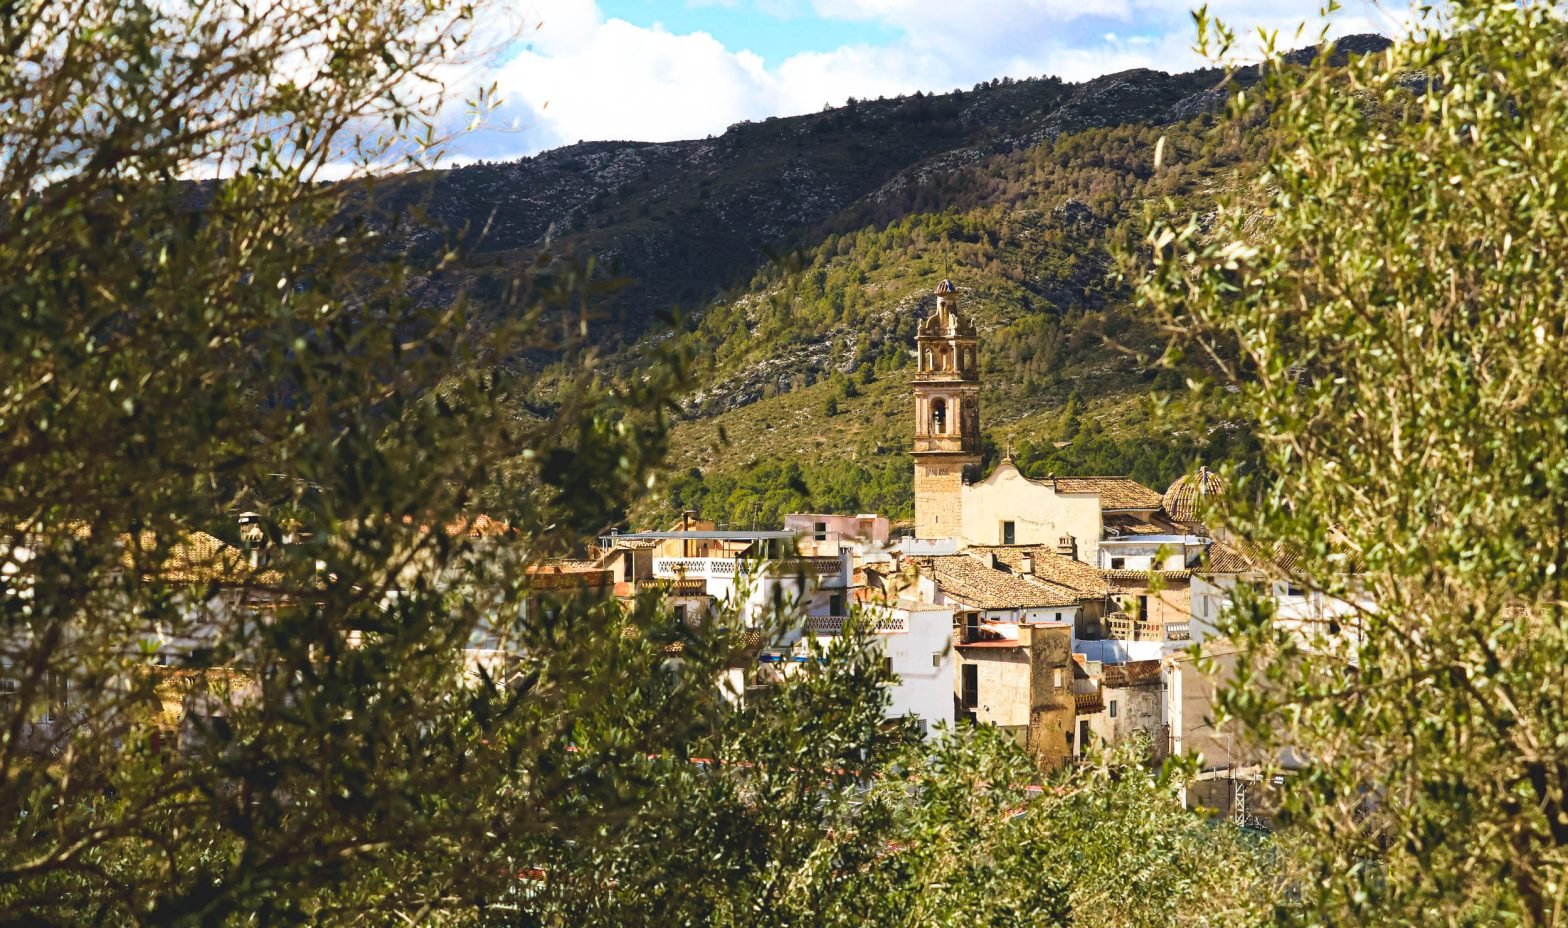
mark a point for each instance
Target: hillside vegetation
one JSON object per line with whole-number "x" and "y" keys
{"x": 805, "y": 373}
{"x": 791, "y": 259}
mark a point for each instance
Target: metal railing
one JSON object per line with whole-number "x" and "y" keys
{"x": 834, "y": 625}
{"x": 727, "y": 567}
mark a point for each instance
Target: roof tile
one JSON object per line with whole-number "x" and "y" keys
{"x": 1115, "y": 492}
{"x": 970, "y": 580}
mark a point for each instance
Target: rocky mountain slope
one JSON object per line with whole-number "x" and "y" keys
{"x": 804, "y": 248}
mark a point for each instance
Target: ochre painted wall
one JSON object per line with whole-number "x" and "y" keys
{"x": 1039, "y": 514}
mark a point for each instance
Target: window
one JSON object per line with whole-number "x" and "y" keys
{"x": 1113, "y": 709}
{"x": 1056, "y": 678}
{"x": 971, "y": 686}
{"x": 887, "y": 665}
{"x": 1292, "y": 590}
{"x": 1118, "y": 563}
{"x": 836, "y": 604}
{"x": 939, "y": 417}
{"x": 936, "y": 658}
{"x": 682, "y": 613}
{"x": 1083, "y": 736}
{"x": 1143, "y": 607}
{"x": 1009, "y": 533}
{"x": 822, "y": 531}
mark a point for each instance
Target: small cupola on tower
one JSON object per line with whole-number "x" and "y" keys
{"x": 947, "y": 415}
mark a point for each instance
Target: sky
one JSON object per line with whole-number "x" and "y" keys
{"x": 658, "y": 70}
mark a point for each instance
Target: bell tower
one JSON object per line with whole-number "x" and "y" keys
{"x": 947, "y": 416}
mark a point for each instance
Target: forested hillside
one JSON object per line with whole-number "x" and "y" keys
{"x": 792, "y": 257}
{"x": 805, "y": 372}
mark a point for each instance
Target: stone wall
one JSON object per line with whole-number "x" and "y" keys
{"x": 1002, "y": 678}
{"x": 939, "y": 507}
{"x": 1139, "y": 708}
{"x": 1052, "y": 707}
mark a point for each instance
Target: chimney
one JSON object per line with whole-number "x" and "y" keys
{"x": 252, "y": 536}
{"x": 1067, "y": 546}
{"x": 994, "y": 562}
{"x": 1027, "y": 564}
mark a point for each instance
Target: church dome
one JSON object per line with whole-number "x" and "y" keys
{"x": 1187, "y": 498}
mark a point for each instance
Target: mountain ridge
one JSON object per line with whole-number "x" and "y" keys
{"x": 804, "y": 247}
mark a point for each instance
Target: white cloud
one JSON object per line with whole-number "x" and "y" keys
{"x": 582, "y": 76}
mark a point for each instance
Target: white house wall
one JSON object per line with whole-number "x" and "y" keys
{"x": 923, "y": 659}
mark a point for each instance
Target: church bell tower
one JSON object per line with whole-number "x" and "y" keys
{"x": 947, "y": 416}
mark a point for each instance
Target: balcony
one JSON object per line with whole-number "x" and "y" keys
{"x": 834, "y": 625}
{"x": 1088, "y": 703}
{"x": 683, "y": 586}
{"x": 726, "y": 568}
{"x": 1127, "y": 629}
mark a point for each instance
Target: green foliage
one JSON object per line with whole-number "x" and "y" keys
{"x": 1029, "y": 236}
{"x": 1153, "y": 462}
{"x": 1394, "y": 334}
{"x": 301, "y": 733}
{"x": 765, "y": 492}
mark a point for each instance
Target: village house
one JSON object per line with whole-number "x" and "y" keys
{"x": 913, "y": 638}
{"x": 1024, "y": 685}
{"x": 824, "y": 534}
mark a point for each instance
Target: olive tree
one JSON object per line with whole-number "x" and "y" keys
{"x": 195, "y": 325}
{"x": 282, "y": 722}
{"x": 1384, "y": 304}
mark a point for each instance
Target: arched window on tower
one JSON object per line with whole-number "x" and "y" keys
{"x": 939, "y": 417}
{"x": 928, "y": 361}
{"x": 945, "y": 356}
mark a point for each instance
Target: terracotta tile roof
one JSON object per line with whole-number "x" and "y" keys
{"x": 195, "y": 558}
{"x": 1191, "y": 494}
{"x": 975, "y": 583}
{"x": 1119, "y": 524}
{"x": 474, "y": 526}
{"x": 566, "y": 566}
{"x": 998, "y": 643}
{"x": 570, "y": 575}
{"x": 1238, "y": 556}
{"x": 1114, "y": 492}
{"x": 1222, "y": 558}
{"x": 1131, "y": 673}
{"x": 1122, "y": 580}
{"x": 1049, "y": 567}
